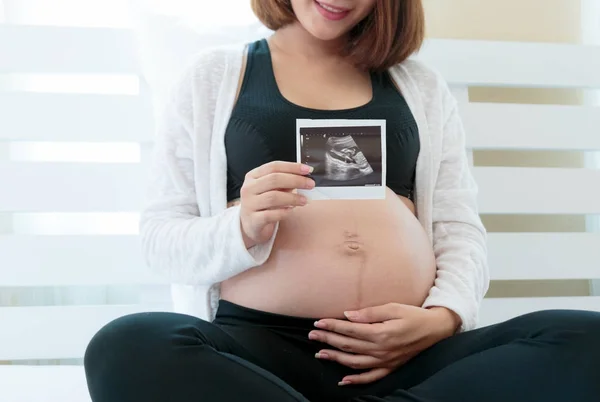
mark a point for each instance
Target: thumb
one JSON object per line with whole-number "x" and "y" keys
{"x": 369, "y": 315}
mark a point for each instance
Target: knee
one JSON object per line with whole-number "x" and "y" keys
{"x": 587, "y": 324}
{"x": 118, "y": 339}
{"x": 579, "y": 324}
{"x": 130, "y": 342}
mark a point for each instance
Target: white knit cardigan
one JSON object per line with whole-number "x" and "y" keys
{"x": 189, "y": 235}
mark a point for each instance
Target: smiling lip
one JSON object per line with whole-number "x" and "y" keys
{"x": 330, "y": 12}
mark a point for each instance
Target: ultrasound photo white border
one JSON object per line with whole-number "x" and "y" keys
{"x": 344, "y": 192}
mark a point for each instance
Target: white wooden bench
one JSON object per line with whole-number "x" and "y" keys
{"x": 32, "y": 260}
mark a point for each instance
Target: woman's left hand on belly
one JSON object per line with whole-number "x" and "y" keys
{"x": 381, "y": 339}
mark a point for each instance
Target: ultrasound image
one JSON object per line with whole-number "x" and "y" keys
{"x": 344, "y": 160}
{"x": 343, "y": 156}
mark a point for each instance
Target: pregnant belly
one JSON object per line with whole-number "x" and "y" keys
{"x": 334, "y": 256}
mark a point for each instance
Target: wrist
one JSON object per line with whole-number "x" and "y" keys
{"x": 446, "y": 321}
{"x": 248, "y": 242}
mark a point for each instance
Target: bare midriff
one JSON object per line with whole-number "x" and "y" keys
{"x": 334, "y": 256}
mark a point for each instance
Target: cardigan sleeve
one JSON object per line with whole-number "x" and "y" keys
{"x": 459, "y": 237}
{"x": 176, "y": 241}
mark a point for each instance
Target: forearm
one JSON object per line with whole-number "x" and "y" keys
{"x": 190, "y": 249}
{"x": 447, "y": 321}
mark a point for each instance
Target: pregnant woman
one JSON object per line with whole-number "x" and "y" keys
{"x": 282, "y": 299}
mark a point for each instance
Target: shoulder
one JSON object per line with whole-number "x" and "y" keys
{"x": 215, "y": 59}
{"x": 428, "y": 80}
{"x": 206, "y": 70}
{"x": 199, "y": 81}
{"x": 421, "y": 72}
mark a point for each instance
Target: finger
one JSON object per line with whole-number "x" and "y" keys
{"x": 280, "y": 181}
{"x": 271, "y": 216}
{"x": 281, "y": 167}
{"x": 366, "y": 378}
{"x": 358, "y": 362}
{"x": 387, "y": 312}
{"x": 342, "y": 342}
{"x": 367, "y": 332}
{"x": 277, "y": 199}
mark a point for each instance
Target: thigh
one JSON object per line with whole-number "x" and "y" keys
{"x": 155, "y": 334}
{"x": 175, "y": 357}
{"x": 544, "y": 356}
{"x": 152, "y": 342}
{"x": 543, "y": 328}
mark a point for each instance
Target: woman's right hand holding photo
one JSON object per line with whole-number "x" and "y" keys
{"x": 268, "y": 196}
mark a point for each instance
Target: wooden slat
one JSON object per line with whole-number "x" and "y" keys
{"x": 71, "y": 187}
{"x": 501, "y": 309}
{"x": 53, "y": 49}
{"x": 43, "y": 384}
{"x": 81, "y": 187}
{"x": 514, "y": 64}
{"x": 73, "y": 260}
{"x": 538, "y": 190}
{"x": 93, "y": 260}
{"x": 496, "y": 126}
{"x": 98, "y": 50}
{"x": 58, "y": 332}
{"x": 544, "y": 256}
{"x": 82, "y": 118}
{"x": 22, "y": 326}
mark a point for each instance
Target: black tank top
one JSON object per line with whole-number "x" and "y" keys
{"x": 262, "y": 126}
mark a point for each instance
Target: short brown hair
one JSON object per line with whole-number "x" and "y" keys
{"x": 388, "y": 36}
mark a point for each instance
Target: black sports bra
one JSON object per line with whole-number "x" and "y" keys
{"x": 262, "y": 126}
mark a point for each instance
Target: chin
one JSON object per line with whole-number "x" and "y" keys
{"x": 329, "y": 20}
{"x": 325, "y": 34}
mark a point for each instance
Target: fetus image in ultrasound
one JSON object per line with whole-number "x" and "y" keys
{"x": 343, "y": 156}
{"x": 344, "y": 160}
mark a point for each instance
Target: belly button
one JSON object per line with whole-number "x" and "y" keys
{"x": 352, "y": 246}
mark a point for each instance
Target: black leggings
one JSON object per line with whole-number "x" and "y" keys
{"x": 253, "y": 356}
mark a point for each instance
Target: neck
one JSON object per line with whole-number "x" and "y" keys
{"x": 296, "y": 40}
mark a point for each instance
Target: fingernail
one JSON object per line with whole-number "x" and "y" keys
{"x": 303, "y": 200}
{"x": 307, "y": 169}
{"x": 319, "y": 324}
{"x": 310, "y": 184}
{"x": 342, "y": 383}
{"x": 322, "y": 355}
{"x": 350, "y": 314}
{"x": 312, "y": 336}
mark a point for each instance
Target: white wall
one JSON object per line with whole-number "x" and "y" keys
{"x": 519, "y": 20}
{"x": 590, "y": 15}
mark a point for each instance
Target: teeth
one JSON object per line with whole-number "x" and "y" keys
{"x": 330, "y": 9}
